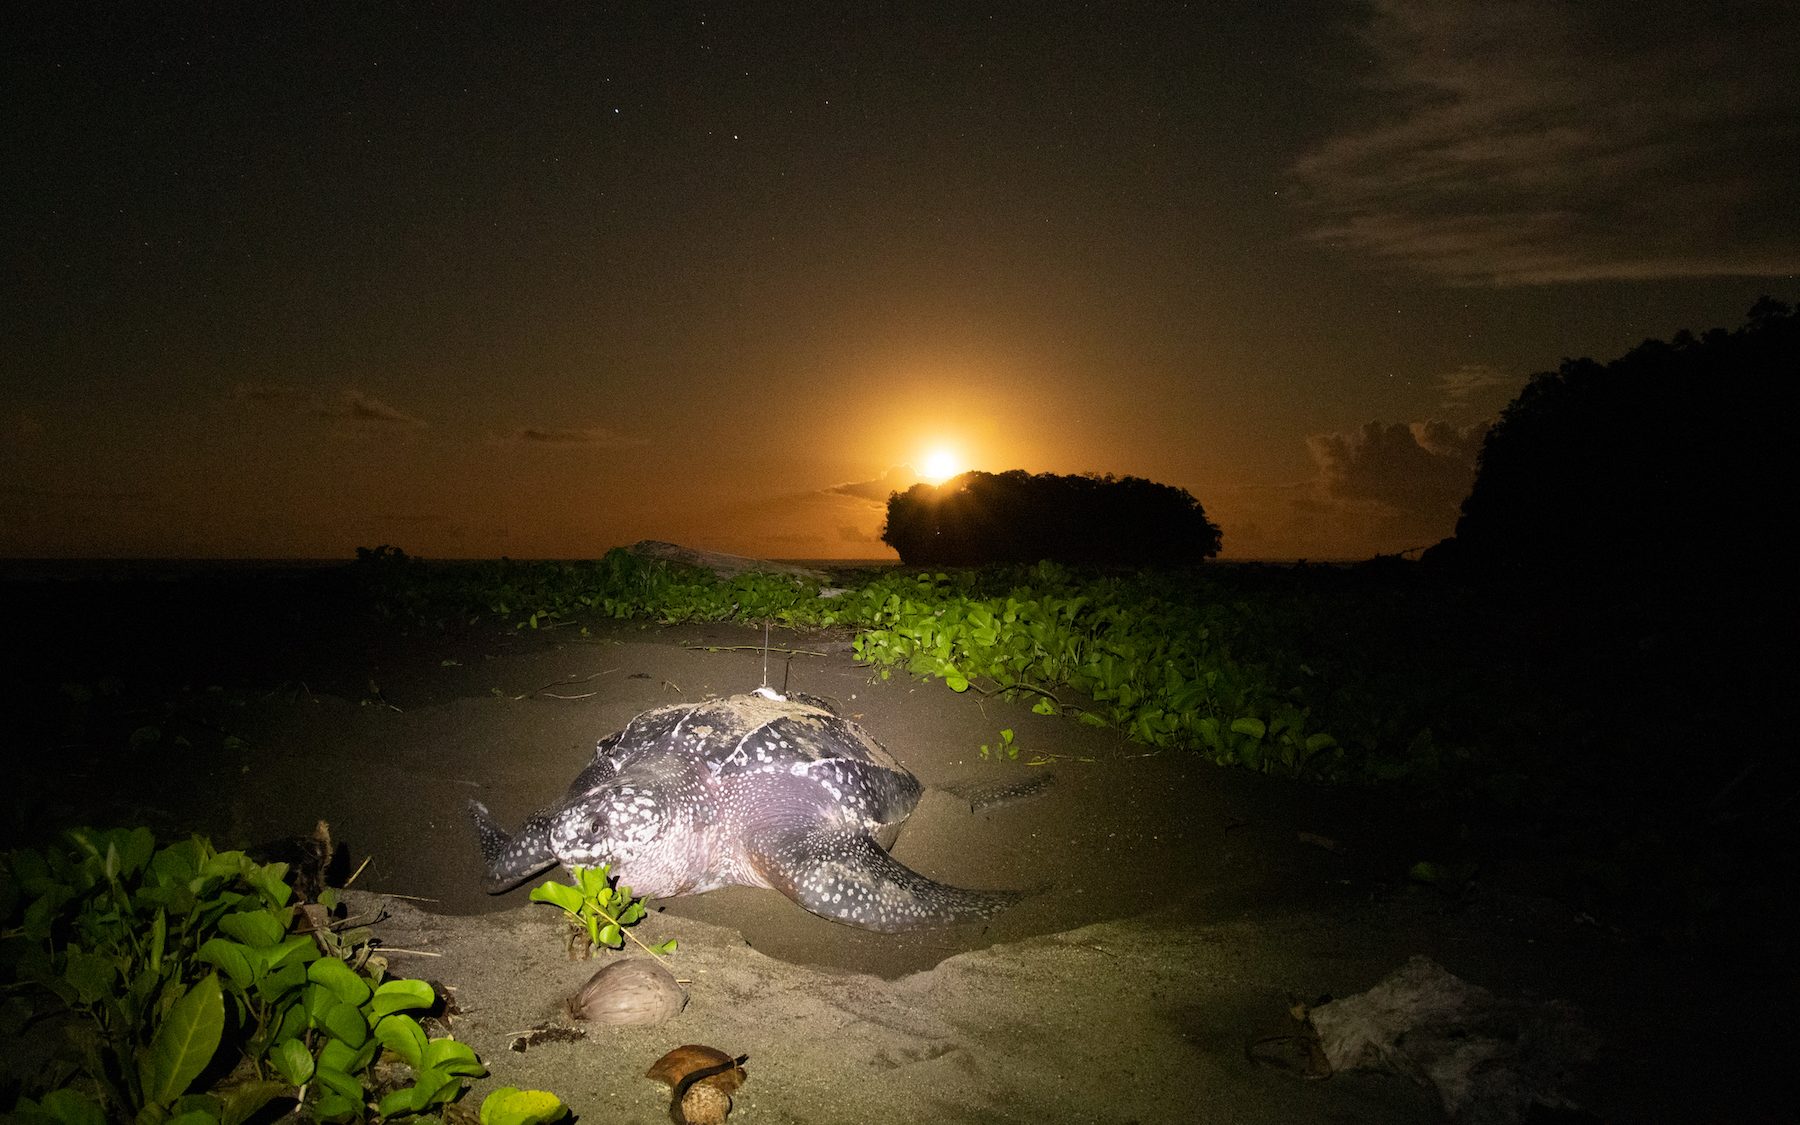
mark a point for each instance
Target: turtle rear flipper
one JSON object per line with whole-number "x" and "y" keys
{"x": 512, "y": 859}
{"x": 846, "y": 877}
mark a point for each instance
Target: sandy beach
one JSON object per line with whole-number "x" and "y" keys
{"x": 1180, "y": 908}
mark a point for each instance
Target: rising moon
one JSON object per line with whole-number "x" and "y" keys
{"x": 940, "y": 466}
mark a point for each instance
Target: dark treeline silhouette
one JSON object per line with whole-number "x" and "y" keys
{"x": 1673, "y": 457}
{"x": 1016, "y": 517}
{"x": 1623, "y": 556}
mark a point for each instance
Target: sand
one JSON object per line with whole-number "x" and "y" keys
{"x": 1180, "y": 910}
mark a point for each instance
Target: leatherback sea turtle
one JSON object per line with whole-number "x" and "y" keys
{"x": 757, "y": 790}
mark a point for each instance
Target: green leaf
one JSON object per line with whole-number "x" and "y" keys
{"x": 452, "y": 1056}
{"x": 402, "y": 1035}
{"x": 226, "y": 865}
{"x": 184, "y": 1043}
{"x": 558, "y": 894}
{"x": 1448, "y": 877}
{"x": 135, "y": 851}
{"x": 340, "y": 979}
{"x": 270, "y": 882}
{"x": 401, "y": 995}
{"x": 345, "y": 1022}
{"x": 246, "y": 1100}
{"x": 231, "y": 958}
{"x": 159, "y": 939}
{"x": 442, "y": 1089}
{"x": 203, "y": 1107}
{"x": 339, "y": 1082}
{"x": 338, "y": 1055}
{"x": 297, "y": 950}
{"x": 272, "y": 985}
{"x": 510, "y": 1105}
{"x": 91, "y": 975}
{"x": 254, "y": 928}
{"x": 335, "y": 1107}
{"x": 289, "y": 1022}
{"x": 1249, "y": 725}
{"x": 292, "y": 1061}
{"x": 72, "y": 1107}
{"x": 407, "y": 1098}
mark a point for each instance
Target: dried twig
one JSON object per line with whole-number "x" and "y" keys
{"x": 753, "y": 648}
{"x": 359, "y": 870}
{"x": 571, "y": 680}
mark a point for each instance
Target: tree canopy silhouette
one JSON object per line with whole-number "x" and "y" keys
{"x": 1673, "y": 455}
{"x": 1016, "y": 517}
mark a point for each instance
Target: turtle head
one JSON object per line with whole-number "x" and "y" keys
{"x": 611, "y": 823}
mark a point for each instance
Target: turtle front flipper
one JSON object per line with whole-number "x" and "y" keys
{"x": 846, "y": 876}
{"x": 512, "y": 859}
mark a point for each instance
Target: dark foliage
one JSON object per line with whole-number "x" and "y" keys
{"x": 1016, "y": 517}
{"x": 1669, "y": 459}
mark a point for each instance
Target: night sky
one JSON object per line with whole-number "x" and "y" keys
{"x": 542, "y": 279}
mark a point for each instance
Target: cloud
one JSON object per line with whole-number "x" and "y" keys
{"x": 354, "y": 406}
{"x": 598, "y": 437}
{"x": 1456, "y": 446}
{"x": 1421, "y": 469}
{"x": 898, "y": 478}
{"x": 1477, "y": 386}
{"x": 1382, "y": 489}
{"x": 1540, "y": 141}
{"x": 351, "y": 406}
